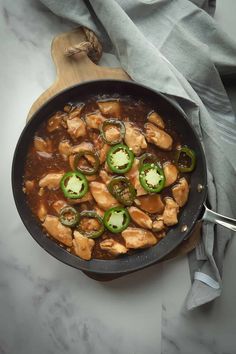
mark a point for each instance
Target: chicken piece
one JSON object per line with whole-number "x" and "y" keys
{"x": 134, "y": 138}
{"x": 133, "y": 176}
{"x": 81, "y": 147}
{"x": 51, "y": 180}
{"x": 138, "y": 238}
{"x": 113, "y": 247}
{"x": 45, "y": 155}
{"x": 171, "y": 173}
{"x": 158, "y": 225}
{"x": 76, "y": 127}
{"x": 180, "y": 192}
{"x": 140, "y": 218}
{"x": 158, "y": 137}
{"x": 29, "y": 186}
{"x": 54, "y": 122}
{"x": 42, "y": 145}
{"x": 112, "y": 133}
{"x": 65, "y": 148}
{"x": 86, "y": 198}
{"x": 42, "y": 211}
{"x": 83, "y": 246}
{"x": 103, "y": 153}
{"x": 153, "y": 117}
{"x": 94, "y": 120}
{"x": 58, "y": 205}
{"x": 61, "y": 233}
{"x": 170, "y": 212}
{"x": 102, "y": 196}
{"x": 151, "y": 203}
{"x": 110, "y": 108}
{"x": 105, "y": 177}
{"x": 99, "y": 211}
{"x": 75, "y": 111}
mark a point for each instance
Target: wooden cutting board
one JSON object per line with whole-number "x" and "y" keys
{"x": 76, "y": 69}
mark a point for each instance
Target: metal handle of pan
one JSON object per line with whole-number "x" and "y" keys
{"x": 216, "y": 218}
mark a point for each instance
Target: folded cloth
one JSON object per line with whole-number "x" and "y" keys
{"x": 176, "y": 47}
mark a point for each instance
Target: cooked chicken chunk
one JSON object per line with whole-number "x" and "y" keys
{"x": 61, "y": 233}
{"x": 134, "y": 138}
{"x": 29, "y": 186}
{"x": 83, "y": 246}
{"x": 58, "y": 205}
{"x": 64, "y": 148}
{"x": 103, "y": 153}
{"x": 180, "y": 192}
{"x": 42, "y": 211}
{"x": 105, "y": 176}
{"x": 158, "y": 137}
{"x": 113, "y": 247}
{"x": 170, "y": 172}
{"x": 138, "y": 238}
{"x": 51, "y": 180}
{"x": 102, "y": 196}
{"x": 170, "y": 212}
{"x": 158, "y": 225}
{"x": 81, "y": 147}
{"x": 112, "y": 134}
{"x": 94, "y": 120}
{"x": 154, "y": 118}
{"x": 140, "y": 218}
{"x": 54, "y": 122}
{"x": 110, "y": 108}
{"x": 86, "y": 198}
{"x": 76, "y": 127}
{"x": 75, "y": 111}
{"x": 151, "y": 203}
{"x": 133, "y": 176}
{"x": 42, "y": 145}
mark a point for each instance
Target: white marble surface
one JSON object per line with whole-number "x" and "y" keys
{"x": 47, "y": 307}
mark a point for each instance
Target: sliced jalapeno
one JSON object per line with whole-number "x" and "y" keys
{"x": 74, "y": 185}
{"x": 69, "y": 216}
{"x": 147, "y": 158}
{"x": 122, "y": 189}
{"x": 152, "y": 177}
{"x": 120, "y": 158}
{"x": 86, "y": 170}
{"x": 185, "y": 166}
{"x": 93, "y": 233}
{"x": 116, "y": 219}
{"x": 116, "y": 123}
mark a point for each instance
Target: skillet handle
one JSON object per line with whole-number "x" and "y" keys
{"x": 216, "y": 218}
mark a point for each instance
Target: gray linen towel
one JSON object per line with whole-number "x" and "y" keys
{"x": 175, "y": 47}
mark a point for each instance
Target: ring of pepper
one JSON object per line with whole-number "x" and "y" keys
{"x": 93, "y": 215}
{"x": 113, "y": 212}
{"x": 69, "y": 221}
{"x": 67, "y": 189}
{"x": 122, "y": 189}
{"x": 116, "y": 123}
{"x": 90, "y": 171}
{"x": 147, "y": 157}
{"x": 150, "y": 187}
{"x": 111, "y": 156}
{"x": 191, "y": 154}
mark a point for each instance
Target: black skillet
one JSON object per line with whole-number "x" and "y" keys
{"x": 190, "y": 214}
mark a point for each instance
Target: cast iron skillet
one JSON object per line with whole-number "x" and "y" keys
{"x": 190, "y": 214}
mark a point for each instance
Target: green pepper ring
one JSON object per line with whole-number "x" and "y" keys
{"x": 190, "y": 153}
{"x": 117, "y": 123}
{"x": 112, "y": 152}
{"x": 107, "y": 215}
{"x": 118, "y": 195}
{"x": 66, "y": 193}
{"x": 146, "y": 167}
{"x": 65, "y": 221}
{"x": 92, "y": 170}
{"x": 94, "y": 215}
{"x": 147, "y": 156}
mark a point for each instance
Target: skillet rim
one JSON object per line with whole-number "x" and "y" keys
{"x": 125, "y": 264}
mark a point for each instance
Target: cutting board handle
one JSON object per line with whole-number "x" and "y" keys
{"x": 72, "y": 53}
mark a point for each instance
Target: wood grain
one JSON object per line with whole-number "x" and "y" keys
{"x": 79, "y": 68}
